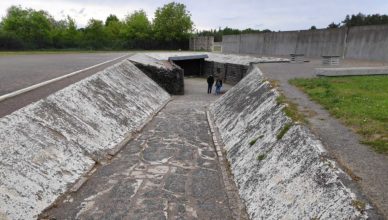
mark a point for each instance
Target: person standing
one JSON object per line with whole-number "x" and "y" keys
{"x": 210, "y": 82}
{"x": 218, "y": 86}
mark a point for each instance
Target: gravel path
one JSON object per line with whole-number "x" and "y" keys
{"x": 169, "y": 171}
{"x": 368, "y": 168}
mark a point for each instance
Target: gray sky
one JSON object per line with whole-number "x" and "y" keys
{"x": 206, "y": 14}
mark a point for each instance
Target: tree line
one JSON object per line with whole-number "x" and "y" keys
{"x": 360, "y": 19}
{"x": 26, "y": 28}
{"x": 228, "y": 31}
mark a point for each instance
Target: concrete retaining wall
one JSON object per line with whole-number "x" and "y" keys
{"x": 368, "y": 42}
{"x": 231, "y": 43}
{"x": 202, "y": 43}
{"x": 280, "y": 43}
{"x": 315, "y": 43}
{"x": 46, "y": 146}
{"x": 278, "y": 177}
{"x": 364, "y": 42}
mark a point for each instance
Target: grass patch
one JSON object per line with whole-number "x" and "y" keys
{"x": 360, "y": 102}
{"x": 252, "y": 142}
{"x": 359, "y": 205}
{"x": 261, "y": 157}
{"x": 291, "y": 109}
{"x": 284, "y": 130}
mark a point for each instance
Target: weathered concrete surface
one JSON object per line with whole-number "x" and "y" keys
{"x": 368, "y": 42}
{"x": 220, "y": 58}
{"x": 46, "y": 146}
{"x": 279, "y": 177}
{"x": 166, "y": 74}
{"x": 352, "y": 71}
{"x": 367, "y": 166}
{"x": 169, "y": 171}
{"x": 361, "y": 42}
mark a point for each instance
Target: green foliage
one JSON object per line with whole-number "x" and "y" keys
{"x": 361, "y": 102}
{"x": 261, "y": 157}
{"x": 172, "y": 22}
{"x": 252, "y": 142}
{"x": 33, "y": 27}
{"x": 228, "y": 31}
{"x": 24, "y": 28}
{"x": 362, "y": 19}
{"x": 283, "y": 131}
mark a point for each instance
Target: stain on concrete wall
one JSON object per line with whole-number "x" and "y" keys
{"x": 280, "y": 167}
{"x": 46, "y": 146}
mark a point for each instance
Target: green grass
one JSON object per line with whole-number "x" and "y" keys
{"x": 252, "y": 142}
{"x": 291, "y": 109}
{"x": 261, "y": 157}
{"x": 284, "y": 130}
{"x": 361, "y": 102}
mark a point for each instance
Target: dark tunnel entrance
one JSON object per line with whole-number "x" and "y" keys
{"x": 191, "y": 65}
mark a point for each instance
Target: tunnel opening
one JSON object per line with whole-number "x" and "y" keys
{"x": 192, "y": 65}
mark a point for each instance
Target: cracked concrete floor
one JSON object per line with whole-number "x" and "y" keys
{"x": 169, "y": 171}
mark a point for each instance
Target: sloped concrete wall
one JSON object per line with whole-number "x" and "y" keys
{"x": 284, "y": 177}
{"x": 46, "y": 146}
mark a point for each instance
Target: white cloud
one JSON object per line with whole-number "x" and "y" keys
{"x": 263, "y": 14}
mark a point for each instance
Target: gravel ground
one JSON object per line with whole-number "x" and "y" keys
{"x": 365, "y": 165}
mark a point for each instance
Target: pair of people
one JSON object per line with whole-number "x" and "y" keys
{"x": 210, "y": 82}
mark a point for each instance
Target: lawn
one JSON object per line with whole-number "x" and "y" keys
{"x": 360, "y": 102}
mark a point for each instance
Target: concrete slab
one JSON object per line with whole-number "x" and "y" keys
{"x": 352, "y": 71}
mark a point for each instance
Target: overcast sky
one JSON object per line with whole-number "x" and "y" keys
{"x": 209, "y": 14}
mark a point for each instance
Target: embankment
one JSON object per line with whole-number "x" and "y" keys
{"x": 47, "y": 146}
{"x": 280, "y": 168}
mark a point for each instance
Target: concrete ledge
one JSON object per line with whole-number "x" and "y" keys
{"x": 354, "y": 71}
{"x": 280, "y": 168}
{"x": 49, "y": 145}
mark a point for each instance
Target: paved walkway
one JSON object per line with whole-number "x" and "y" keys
{"x": 169, "y": 171}
{"x": 368, "y": 168}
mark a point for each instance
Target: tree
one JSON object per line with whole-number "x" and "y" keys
{"x": 172, "y": 22}
{"x": 333, "y": 25}
{"x": 111, "y": 19}
{"x": 94, "y": 35}
{"x": 313, "y": 27}
{"x": 137, "y": 26}
{"x": 361, "y": 19}
{"x": 33, "y": 27}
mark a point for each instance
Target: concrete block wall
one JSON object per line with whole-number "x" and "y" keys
{"x": 202, "y": 43}
{"x": 363, "y": 42}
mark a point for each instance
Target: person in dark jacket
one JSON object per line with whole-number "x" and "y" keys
{"x": 210, "y": 82}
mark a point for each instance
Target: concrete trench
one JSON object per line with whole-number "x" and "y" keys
{"x": 178, "y": 166}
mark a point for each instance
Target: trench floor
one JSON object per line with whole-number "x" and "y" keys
{"x": 168, "y": 171}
